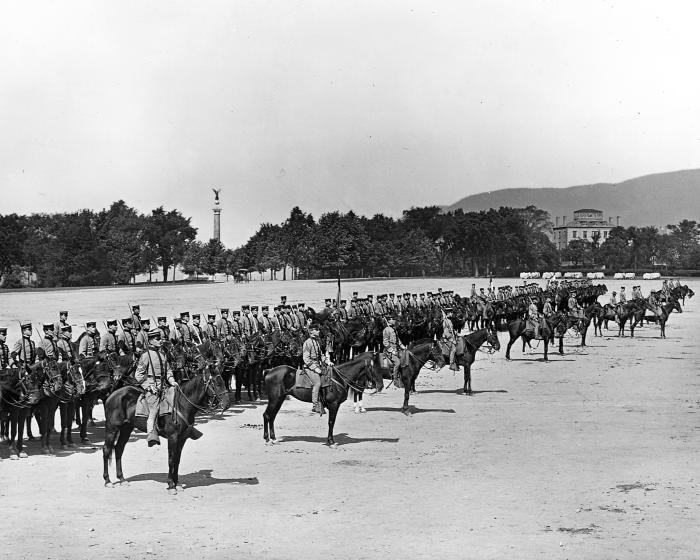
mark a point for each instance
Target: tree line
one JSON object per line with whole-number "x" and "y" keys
{"x": 88, "y": 248}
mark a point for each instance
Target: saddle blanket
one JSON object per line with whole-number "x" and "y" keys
{"x": 531, "y": 334}
{"x": 384, "y": 361}
{"x": 445, "y": 347}
{"x": 304, "y": 382}
{"x": 166, "y": 404}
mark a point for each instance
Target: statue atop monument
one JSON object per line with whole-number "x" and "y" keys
{"x": 216, "y": 195}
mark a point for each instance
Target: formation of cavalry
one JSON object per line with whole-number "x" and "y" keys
{"x": 265, "y": 364}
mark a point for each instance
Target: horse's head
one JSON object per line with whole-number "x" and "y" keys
{"x": 675, "y": 304}
{"x": 216, "y": 389}
{"x": 492, "y": 339}
{"x": 373, "y": 374}
{"x": 52, "y": 378}
{"x": 28, "y": 386}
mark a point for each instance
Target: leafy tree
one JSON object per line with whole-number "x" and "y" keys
{"x": 167, "y": 234}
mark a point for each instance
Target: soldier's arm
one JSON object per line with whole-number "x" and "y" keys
{"x": 83, "y": 347}
{"x": 141, "y": 368}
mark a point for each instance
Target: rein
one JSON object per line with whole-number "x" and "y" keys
{"x": 345, "y": 378}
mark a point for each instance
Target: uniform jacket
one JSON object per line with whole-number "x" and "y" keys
{"x": 108, "y": 343}
{"x": 390, "y": 340}
{"x": 152, "y": 368}
{"x": 87, "y": 347}
{"x": 25, "y": 350}
{"x": 312, "y": 355}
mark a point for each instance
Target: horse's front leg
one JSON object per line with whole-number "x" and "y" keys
{"x": 467, "y": 378}
{"x": 406, "y": 394}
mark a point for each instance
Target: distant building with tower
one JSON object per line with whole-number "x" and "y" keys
{"x": 587, "y": 224}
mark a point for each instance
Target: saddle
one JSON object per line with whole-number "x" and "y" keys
{"x": 166, "y": 404}
{"x": 445, "y": 348}
{"x": 304, "y": 382}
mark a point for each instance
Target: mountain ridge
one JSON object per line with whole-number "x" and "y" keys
{"x": 657, "y": 199}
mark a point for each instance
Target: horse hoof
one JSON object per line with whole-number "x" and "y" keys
{"x": 109, "y": 485}
{"x": 85, "y": 441}
{"x": 64, "y": 446}
{"x": 333, "y": 445}
{"x": 23, "y": 455}
{"x": 14, "y": 457}
{"x": 172, "y": 491}
{"x": 72, "y": 445}
{"x": 123, "y": 482}
{"x": 180, "y": 488}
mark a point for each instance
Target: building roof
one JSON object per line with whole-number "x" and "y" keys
{"x": 588, "y": 210}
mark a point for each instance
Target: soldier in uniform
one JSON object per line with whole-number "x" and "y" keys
{"x": 109, "y": 342}
{"x": 196, "y": 330}
{"x": 264, "y": 322}
{"x": 275, "y": 319}
{"x": 136, "y": 316}
{"x": 293, "y": 318}
{"x": 391, "y": 304}
{"x": 24, "y": 350}
{"x": 343, "y": 311}
{"x": 210, "y": 330}
{"x": 4, "y": 350}
{"x": 47, "y": 349}
{"x": 613, "y": 299}
{"x": 62, "y": 322}
{"x": 301, "y": 315}
{"x": 142, "y": 336}
{"x": 533, "y": 318}
{"x": 223, "y": 325}
{"x": 391, "y": 345}
{"x": 283, "y": 301}
{"x": 352, "y": 312}
{"x": 127, "y": 340}
{"x": 236, "y": 325}
{"x": 422, "y": 304}
{"x": 88, "y": 345}
{"x": 65, "y": 346}
{"x": 574, "y": 309}
{"x": 163, "y": 328}
{"x": 623, "y": 296}
{"x": 313, "y": 358}
{"x": 547, "y": 308}
{"x": 151, "y": 370}
{"x": 449, "y": 337}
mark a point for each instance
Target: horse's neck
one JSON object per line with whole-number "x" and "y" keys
{"x": 479, "y": 338}
{"x": 195, "y": 393}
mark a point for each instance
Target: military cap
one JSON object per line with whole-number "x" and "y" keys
{"x": 294, "y": 306}
{"x": 91, "y": 324}
{"x": 223, "y": 310}
{"x": 162, "y": 319}
{"x": 112, "y": 323}
{"x": 407, "y": 294}
{"x": 288, "y": 307}
{"x": 154, "y": 334}
{"x": 439, "y": 289}
{"x": 184, "y": 314}
{"x": 614, "y": 293}
{"x": 302, "y": 304}
{"x": 177, "y": 319}
{"x": 429, "y": 293}
{"x": 414, "y": 295}
{"x": 3, "y": 330}
{"x": 265, "y": 308}
{"x": 391, "y": 295}
{"x": 343, "y": 301}
{"x": 195, "y": 315}
{"x": 276, "y": 308}
{"x": 48, "y": 326}
{"x": 354, "y": 294}
{"x": 253, "y": 307}
{"x": 127, "y": 321}
{"x": 136, "y": 308}
{"x": 211, "y": 317}
{"x": 421, "y": 295}
{"x": 236, "y": 312}
{"x": 146, "y": 321}
{"x": 25, "y": 326}
{"x": 67, "y": 328}
{"x": 283, "y": 298}
{"x": 245, "y": 307}
{"x": 63, "y": 313}
{"x": 369, "y": 296}
{"x": 327, "y": 300}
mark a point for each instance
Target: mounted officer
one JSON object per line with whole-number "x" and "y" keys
{"x": 62, "y": 322}
{"x": 547, "y": 310}
{"x": 223, "y": 325}
{"x": 65, "y": 346}
{"x": 264, "y": 322}
{"x": 136, "y": 316}
{"x": 142, "y": 336}
{"x": 249, "y": 325}
{"x": 623, "y": 296}
{"x": 533, "y": 319}
{"x": 392, "y": 344}
{"x": 152, "y": 368}
{"x": 163, "y": 328}
{"x": 210, "y": 330}
{"x": 301, "y": 314}
{"x": 449, "y": 337}
{"x": 196, "y": 330}
{"x": 275, "y": 319}
{"x": 343, "y": 311}
{"x": 313, "y": 357}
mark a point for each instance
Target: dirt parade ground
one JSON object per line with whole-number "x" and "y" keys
{"x": 593, "y": 455}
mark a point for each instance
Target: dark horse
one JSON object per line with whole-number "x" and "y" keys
{"x": 417, "y": 355}
{"x": 280, "y": 381}
{"x": 556, "y": 325}
{"x": 20, "y": 392}
{"x": 472, "y": 343}
{"x": 191, "y": 397}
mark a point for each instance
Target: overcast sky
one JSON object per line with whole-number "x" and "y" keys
{"x": 372, "y": 106}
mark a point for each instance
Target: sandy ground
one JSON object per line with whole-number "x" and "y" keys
{"x": 594, "y": 455}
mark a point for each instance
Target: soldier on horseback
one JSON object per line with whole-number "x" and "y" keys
{"x": 392, "y": 344}
{"x": 88, "y": 345}
{"x": 449, "y": 337}
{"x": 4, "y": 350}
{"x": 313, "y": 358}
{"x": 152, "y": 368}
{"x": 24, "y": 350}
{"x": 48, "y": 349}
{"x": 108, "y": 342}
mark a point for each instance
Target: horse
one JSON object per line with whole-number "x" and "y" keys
{"x": 415, "y": 357}
{"x": 280, "y": 381}
{"x": 54, "y": 390}
{"x": 518, "y": 329}
{"x": 100, "y": 377}
{"x": 191, "y": 397}
{"x": 661, "y": 315}
{"x": 471, "y": 343}
{"x": 19, "y": 391}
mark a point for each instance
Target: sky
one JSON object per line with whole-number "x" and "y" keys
{"x": 374, "y": 106}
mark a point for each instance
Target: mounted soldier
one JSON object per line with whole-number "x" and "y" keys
{"x": 313, "y": 358}
{"x": 223, "y": 325}
{"x": 24, "y": 350}
{"x": 392, "y": 344}
{"x": 449, "y": 337}
{"x": 533, "y": 319}
{"x": 196, "y": 330}
{"x": 248, "y": 324}
{"x": 623, "y": 296}
{"x": 88, "y": 345}
{"x": 275, "y": 319}
{"x": 65, "y": 346}
{"x": 109, "y": 342}
{"x": 127, "y": 340}
{"x": 301, "y": 314}
{"x": 264, "y": 322}
{"x": 151, "y": 370}
{"x": 4, "y": 350}
{"x": 343, "y": 311}
{"x": 62, "y": 322}
{"x": 142, "y": 336}
{"x": 48, "y": 349}
{"x": 163, "y": 328}
{"x": 136, "y": 317}
{"x": 547, "y": 309}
